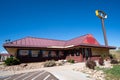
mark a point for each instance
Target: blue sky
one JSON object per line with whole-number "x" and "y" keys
{"x": 58, "y": 19}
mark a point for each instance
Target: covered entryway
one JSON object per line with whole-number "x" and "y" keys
{"x": 87, "y": 54}
{"x": 79, "y": 55}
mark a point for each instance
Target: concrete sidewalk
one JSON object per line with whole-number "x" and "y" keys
{"x": 64, "y": 72}
{"x": 69, "y": 75}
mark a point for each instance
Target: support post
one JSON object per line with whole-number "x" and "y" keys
{"x": 104, "y": 32}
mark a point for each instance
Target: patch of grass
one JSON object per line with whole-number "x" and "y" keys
{"x": 113, "y": 73}
{"x": 103, "y": 69}
{"x": 71, "y": 61}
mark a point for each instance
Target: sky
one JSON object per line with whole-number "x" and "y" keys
{"x": 58, "y": 19}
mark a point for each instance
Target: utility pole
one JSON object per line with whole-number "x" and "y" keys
{"x": 100, "y": 14}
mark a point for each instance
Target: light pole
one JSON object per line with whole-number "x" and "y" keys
{"x": 102, "y": 16}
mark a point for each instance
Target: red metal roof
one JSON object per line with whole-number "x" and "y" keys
{"x": 41, "y": 42}
{"x": 4, "y": 54}
{"x": 86, "y": 39}
{"x": 35, "y": 42}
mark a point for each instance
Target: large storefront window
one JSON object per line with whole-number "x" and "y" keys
{"x": 61, "y": 53}
{"x": 34, "y": 53}
{"x": 45, "y": 53}
{"x": 24, "y": 52}
{"x": 53, "y": 54}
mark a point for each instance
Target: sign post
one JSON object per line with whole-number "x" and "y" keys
{"x": 102, "y": 16}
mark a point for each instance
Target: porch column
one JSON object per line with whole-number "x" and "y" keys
{"x": 81, "y": 54}
{"x": 81, "y": 57}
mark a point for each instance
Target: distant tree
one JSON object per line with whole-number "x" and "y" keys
{"x": 7, "y": 40}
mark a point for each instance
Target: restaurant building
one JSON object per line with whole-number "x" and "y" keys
{"x": 4, "y": 56}
{"x": 31, "y": 49}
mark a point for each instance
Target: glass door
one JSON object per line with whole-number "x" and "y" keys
{"x": 86, "y": 53}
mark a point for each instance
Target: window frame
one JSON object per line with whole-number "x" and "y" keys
{"x": 35, "y": 55}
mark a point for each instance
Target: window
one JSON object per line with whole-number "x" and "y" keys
{"x": 34, "y": 53}
{"x": 24, "y": 52}
{"x": 53, "y": 54}
{"x": 77, "y": 53}
{"x": 72, "y": 52}
{"x": 61, "y": 53}
{"x": 45, "y": 53}
{"x": 49, "y": 53}
{"x": 57, "y": 53}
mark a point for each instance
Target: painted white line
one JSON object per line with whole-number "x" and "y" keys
{"x": 46, "y": 77}
{"x": 30, "y": 75}
{"x": 38, "y": 75}
{"x": 7, "y": 78}
{"x": 20, "y": 76}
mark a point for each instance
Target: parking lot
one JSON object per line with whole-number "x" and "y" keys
{"x": 36, "y": 75}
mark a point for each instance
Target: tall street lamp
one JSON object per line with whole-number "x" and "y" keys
{"x": 100, "y": 14}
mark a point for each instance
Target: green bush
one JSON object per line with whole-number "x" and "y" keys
{"x": 91, "y": 64}
{"x": 12, "y": 61}
{"x": 49, "y": 63}
{"x": 71, "y": 61}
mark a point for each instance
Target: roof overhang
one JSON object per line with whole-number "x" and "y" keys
{"x": 57, "y": 47}
{"x": 97, "y": 46}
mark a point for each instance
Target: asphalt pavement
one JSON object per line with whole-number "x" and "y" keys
{"x": 36, "y": 75}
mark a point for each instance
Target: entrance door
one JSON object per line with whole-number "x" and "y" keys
{"x": 87, "y": 53}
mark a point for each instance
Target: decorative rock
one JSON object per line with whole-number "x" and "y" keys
{"x": 23, "y": 65}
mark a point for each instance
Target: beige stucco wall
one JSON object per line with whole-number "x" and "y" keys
{"x": 99, "y": 51}
{"x": 12, "y": 51}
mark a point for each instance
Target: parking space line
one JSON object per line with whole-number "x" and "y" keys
{"x": 7, "y": 78}
{"x": 30, "y": 75}
{"x": 20, "y": 76}
{"x": 46, "y": 77}
{"x": 38, "y": 75}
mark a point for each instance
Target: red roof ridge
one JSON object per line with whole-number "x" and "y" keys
{"x": 75, "y": 38}
{"x": 79, "y": 37}
{"x": 93, "y": 37}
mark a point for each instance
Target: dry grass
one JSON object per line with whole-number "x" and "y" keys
{"x": 116, "y": 53}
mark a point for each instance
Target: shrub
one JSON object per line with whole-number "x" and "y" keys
{"x": 12, "y": 61}
{"x": 49, "y": 63}
{"x": 91, "y": 64}
{"x": 71, "y": 61}
{"x": 114, "y": 61}
{"x": 111, "y": 56}
{"x": 101, "y": 61}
